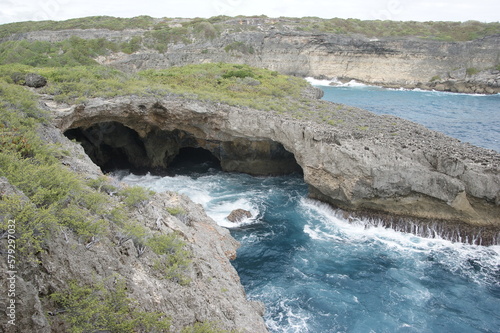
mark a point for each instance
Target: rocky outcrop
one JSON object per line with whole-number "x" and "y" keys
{"x": 239, "y": 215}
{"x": 214, "y": 294}
{"x": 364, "y": 163}
{"x": 35, "y": 81}
{"x": 400, "y": 62}
{"x": 404, "y": 62}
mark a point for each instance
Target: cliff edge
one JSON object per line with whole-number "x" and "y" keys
{"x": 447, "y": 56}
{"x": 360, "y": 162}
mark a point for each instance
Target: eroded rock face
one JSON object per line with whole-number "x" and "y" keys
{"x": 390, "y": 165}
{"x": 395, "y": 62}
{"x": 112, "y": 146}
{"x": 214, "y": 294}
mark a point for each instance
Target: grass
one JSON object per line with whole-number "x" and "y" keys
{"x": 55, "y": 197}
{"x": 471, "y": 71}
{"x": 173, "y": 259}
{"x": 225, "y": 83}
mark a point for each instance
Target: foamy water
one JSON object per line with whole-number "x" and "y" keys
{"x": 317, "y": 272}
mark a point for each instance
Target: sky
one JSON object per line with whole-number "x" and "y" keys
{"x": 398, "y": 10}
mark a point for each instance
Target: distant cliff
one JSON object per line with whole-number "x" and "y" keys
{"x": 292, "y": 47}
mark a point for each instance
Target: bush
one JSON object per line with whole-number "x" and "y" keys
{"x": 174, "y": 258}
{"x": 176, "y": 210}
{"x": 471, "y": 71}
{"x": 100, "y": 308}
{"x": 239, "y": 47}
{"x": 206, "y": 30}
{"x": 55, "y": 196}
{"x": 206, "y": 327}
{"x": 135, "y": 196}
{"x": 241, "y": 73}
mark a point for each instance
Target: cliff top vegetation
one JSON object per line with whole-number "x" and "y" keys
{"x": 212, "y": 27}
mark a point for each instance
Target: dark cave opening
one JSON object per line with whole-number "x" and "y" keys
{"x": 113, "y": 146}
{"x": 190, "y": 159}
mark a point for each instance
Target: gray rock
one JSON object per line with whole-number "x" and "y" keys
{"x": 238, "y": 215}
{"x": 35, "y": 81}
{"x": 398, "y": 62}
{"x": 407, "y": 169}
{"x": 214, "y": 294}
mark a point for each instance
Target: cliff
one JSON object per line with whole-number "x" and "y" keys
{"x": 86, "y": 239}
{"x": 363, "y": 163}
{"x": 286, "y": 46}
{"x": 292, "y": 47}
{"x": 83, "y": 252}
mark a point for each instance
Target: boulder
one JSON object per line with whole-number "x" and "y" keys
{"x": 35, "y": 81}
{"x": 238, "y": 215}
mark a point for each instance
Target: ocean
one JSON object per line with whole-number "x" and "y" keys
{"x": 316, "y": 272}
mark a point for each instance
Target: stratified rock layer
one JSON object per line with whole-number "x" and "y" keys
{"x": 364, "y": 163}
{"x": 460, "y": 66}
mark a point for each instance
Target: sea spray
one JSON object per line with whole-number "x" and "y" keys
{"x": 319, "y": 272}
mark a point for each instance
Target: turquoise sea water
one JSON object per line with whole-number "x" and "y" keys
{"x": 318, "y": 273}
{"x": 470, "y": 118}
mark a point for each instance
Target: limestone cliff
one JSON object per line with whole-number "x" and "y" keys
{"x": 363, "y": 163}
{"x": 213, "y": 295}
{"x": 282, "y": 45}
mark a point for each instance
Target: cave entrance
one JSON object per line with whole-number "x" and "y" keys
{"x": 114, "y": 146}
{"x": 198, "y": 160}
{"x": 111, "y": 146}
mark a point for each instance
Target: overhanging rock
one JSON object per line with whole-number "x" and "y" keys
{"x": 391, "y": 166}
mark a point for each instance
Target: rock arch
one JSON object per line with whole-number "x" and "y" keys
{"x": 113, "y": 145}
{"x": 391, "y": 167}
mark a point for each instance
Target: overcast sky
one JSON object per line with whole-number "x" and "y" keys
{"x": 399, "y": 10}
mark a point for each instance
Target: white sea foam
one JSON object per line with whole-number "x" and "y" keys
{"x": 478, "y": 263}
{"x": 335, "y": 82}
{"x": 220, "y": 211}
{"x": 218, "y": 205}
{"x": 316, "y": 82}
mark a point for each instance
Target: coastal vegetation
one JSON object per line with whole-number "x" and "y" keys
{"x": 105, "y": 308}
{"x": 51, "y": 201}
{"x": 161, "y": 31}
{"x": 55, "y": 202}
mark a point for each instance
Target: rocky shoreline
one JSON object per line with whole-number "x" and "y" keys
{"x": 214, "y": 295}
{"x": 362, "y": 163}
{"x": 486, "y": 82}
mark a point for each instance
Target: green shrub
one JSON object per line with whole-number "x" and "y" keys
{"x": 133, "y": 45}
{"x": 206, "y": 30}
{"x": 176, "y": 210}
{"x": 471, "y": 71}
{"x": 174, "y": 258}
{"x": 32, "y": 224}
{"x": 241, "y": 73}
{"x": 92, "y": 22}
{"x": 100, "y": 308}
{"x": 134, "y": 196}
{"x": 55, "y": 196}
{"x": 101, "y": 184}
{"x": 206, "y": 327}
{"x": 239, "y": 47}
